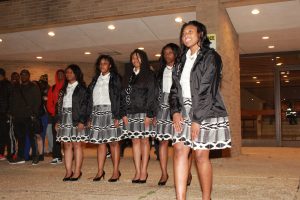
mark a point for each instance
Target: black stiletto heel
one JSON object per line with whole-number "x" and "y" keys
{"x": 115, "y": 179}
{"x": 99, "y": 177}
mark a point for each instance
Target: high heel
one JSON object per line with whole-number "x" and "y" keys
{"x": 135, "y": 181}
{"x": 99, "y": 177}
{"x": 189, "y": 180}
{"x": 77, "y": 178}
{"x": 144, "y": 181}
{"x": 68, "y": 178}
{"x": 163, "y": 182}
{"x": 114, "y": 179}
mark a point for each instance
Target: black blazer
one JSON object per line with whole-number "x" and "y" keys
{"x": 142, "y": 97}
{"x": 79, "y": 105}
{"x": 204, "y": 81}
{"x": 115, "y": 87}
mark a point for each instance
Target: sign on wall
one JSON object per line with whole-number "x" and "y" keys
{"x": 213, "y": 39}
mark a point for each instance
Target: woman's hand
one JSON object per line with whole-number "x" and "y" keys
{"x": 177, "y": 122}
{"x": 89, "y": 124}
{"x": 154, "y": 121}
{"x": 116, "y": 123}
{"x": 147, "y": 122}
{"x": 195, "y": 129}
{"x": 125, "y": 120}
{"x": 56, "y": 127}
{"x": 80, "y": 126}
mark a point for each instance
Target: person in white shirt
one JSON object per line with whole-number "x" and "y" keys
{"x": 72, "y": 120}
{"x": 104, "y": 111}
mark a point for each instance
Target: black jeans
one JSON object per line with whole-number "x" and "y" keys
{"x": 23, "y": 127}
{"x": 56, "y": 151}
{"x": 4, "y": 136}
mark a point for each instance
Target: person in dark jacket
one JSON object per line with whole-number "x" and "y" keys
{"x": 5, "y": 139}
{"x": 138, "y": 110}
{"x": 24, "y": 107}
{"x": 104, "y": 110}
{"x": 72, "y": 117}
{"x": 199, "y": 115}
{"x": 52, "y": 99}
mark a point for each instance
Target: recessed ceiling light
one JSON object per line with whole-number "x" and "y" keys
{"x": 258, "y": 82}
{"x": 39, "y": 57}
{"x": 279, "y": 64}
{"x": 178, "y": 19}
{"x": 265, "y": 37}
{"x": 141, "y": 48}
{"x": 277, "y": 57}
{"x": 252, "y": 99}
{"x": 271, "y": 47}
{"x": 254, "y": 77}
{"x": 111, "y": 27}
{"x": 255, "y": 11}
{"x": 157, "y": 55}
{"x": 0, "y": 40}
{"x": 282, "y": 72}
{"x": 272, "y": 58}
{"x": 87, "y": 53}
{"x": 285, "y": 76}
{"x": 287, "y": 81}
{"x": 51, "y": 34}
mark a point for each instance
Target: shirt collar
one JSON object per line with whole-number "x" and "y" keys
{"x": 136, "y": 71}
{"x": 106, "y": 76}
{"x": 192, "y": 57}
{"x": 72, "y": 85}
{"x": 169, "y": 67}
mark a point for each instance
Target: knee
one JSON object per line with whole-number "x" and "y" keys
{"x": 145, "y": 141}
{"x": 77, "y": 145}
{"x": 68, "y": 145}
{"x": 135, "y": 141}
{"x": 114, "y": 144}
{"x": 180, "y": 150}
{"x": 202, "y": 156}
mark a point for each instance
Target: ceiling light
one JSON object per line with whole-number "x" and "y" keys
{"x": 271, "y": 47}
{"x": 255, "y": 11}
{"x": 111, "y": 27}
{"x": 178, "y": 19}
{"x": 254, "y": 77}
{"x": 277, "y": 57}
{"x": 287, "y": 81}
{"x": 252, "y": 99}
{"x": 87, "y": 53}
{"x": 285, "y": 76}
{"x": 157, "y": 55}
{"x": 272, "y": 58}
{"x": 39, "y": 57}
{"x": 282, "y": 72}
{"x": 279, "y": 64}
{"x": 257, "y": 82}
{"x": 265, "y": 37}
{"x": 0, "y": 40}
{"x": 141, "y": 48}
{"x": 51, "y": 33}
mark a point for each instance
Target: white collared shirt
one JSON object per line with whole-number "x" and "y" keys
{"x": 167, "y": 79}
{"x": 67, "y": 101}
{"x": 186, "y": 72}
{"x": 101, "y": 91}
{"x": 136, "y": 71}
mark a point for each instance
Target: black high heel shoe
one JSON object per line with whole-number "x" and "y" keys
{"x": 189, "y": 180}
{"x": 144, "y": 181}
{"x": 68, "y": 178}
{"x": 77, "y": 178}
{"x": 99, "y": 177}
{"x": 163, "y": 182}
{"x": 114, "y": 179}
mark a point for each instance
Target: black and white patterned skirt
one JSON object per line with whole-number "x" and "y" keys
{"x": 136, "y": 127}
{"x": 214, "y": 132}
{"x": 164, "y": 128}
{"x": 102, "y": 128}
{"x": 67, "y": 132}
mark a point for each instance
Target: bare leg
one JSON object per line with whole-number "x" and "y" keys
{"x": 136, "y": 150}
{"x": 115, "y": 157}
{"x": 181, "y": 166}
{"x": 163, "y": 159}
{"x": 101, "y": 157}
{"x": 68, "y": 151}
{"x": 78, "y": 154}
{"x": 145, "y": 150}
{"x": 204, "y": 169}
{"x": 190, "y": 168}
{"x": 39, "y": 142}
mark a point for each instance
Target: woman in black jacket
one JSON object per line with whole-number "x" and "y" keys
{"x": 199, "y": 115}
{"x": 104, "y": 110}
{"x": 138, "y": 110}
{"x": 71, "y": 120}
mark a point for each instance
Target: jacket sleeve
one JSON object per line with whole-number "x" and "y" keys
{"x": 89, "y": 102}
{"x": 83, "y": 106}
{"x": 174, "y": 96}
{"x": 36, "y": 100}
{"x": 116, "y": 104}
{"x": 151, "y": 97}
{"x": 208, "y": 87}
{"x": 50, "y": 102}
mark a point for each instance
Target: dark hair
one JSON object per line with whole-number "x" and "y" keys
{"x": 78, "y": 75}
{"x": 2, "y": 72}
{"x": 176, "y": 51}
{"x": 113, "y": 67}
{"x": 204, "y": 42}
{"x": 25, "y": 71}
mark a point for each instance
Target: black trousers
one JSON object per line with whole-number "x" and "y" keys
{"x": 5, "y": 139}
{"x": 56, "y": 151}
{"x": 22, "y": 128}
